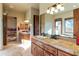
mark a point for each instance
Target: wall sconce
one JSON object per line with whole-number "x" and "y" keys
{"x": 55, "y": 8}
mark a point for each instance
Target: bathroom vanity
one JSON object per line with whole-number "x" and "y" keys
{"x": 43, "y": 46}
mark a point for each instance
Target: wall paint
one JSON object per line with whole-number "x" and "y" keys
{"x": 48, "y": 24}
{"x": 29, "y": 16}
{"x": 19, "y": 15}
{"x": 33, "y": 12}
{"x": 1, "y": 26}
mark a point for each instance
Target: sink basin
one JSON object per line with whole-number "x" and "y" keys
{"x": 42, "y": 37}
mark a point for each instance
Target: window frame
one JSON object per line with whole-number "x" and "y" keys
{"x": 58, "y": 19}
{"x": 65, "y": 24}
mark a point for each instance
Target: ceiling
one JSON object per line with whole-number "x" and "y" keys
{"x": 67, "y": 7}
{"x": 21, "y": 7}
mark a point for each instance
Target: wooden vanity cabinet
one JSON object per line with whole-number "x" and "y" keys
{"x": 33, "y": 47}
{"x": 40, "y": 51}
{"x": 39, "y": 48}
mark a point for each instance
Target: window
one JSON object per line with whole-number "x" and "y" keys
{"x": 58, "y": 24}
{"x": 68, "y": 25}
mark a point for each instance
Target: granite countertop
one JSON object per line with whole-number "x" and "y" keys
{"x": 61, "y": 44}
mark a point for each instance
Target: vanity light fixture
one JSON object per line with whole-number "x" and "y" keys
{"x": 55, "y": 8}
{"x": 27, "y": 21}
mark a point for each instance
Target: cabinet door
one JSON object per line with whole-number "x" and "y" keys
{"x": 39, "y": 51}
{"x": 33, "y": 51}
{"x": 36, "y": 50}
{"x": 50, "y": 49}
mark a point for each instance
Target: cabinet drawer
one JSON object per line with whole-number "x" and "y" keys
{"x": 50, "y": 49}
{"x": 47, "y": 53}
{"x": 61, "y": 53}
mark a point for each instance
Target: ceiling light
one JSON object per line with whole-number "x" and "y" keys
{"x": 55, "y": 8}
{"x": 74, "y": 6}
{"x": 4, "y": 13}
{"x": 48, "y": 11}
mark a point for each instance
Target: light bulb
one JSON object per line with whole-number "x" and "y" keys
{"x": 58, "y": 6}
{"x": 52, "y": 8}
{"x": 62, "y": 8}
{"x": 48, "y": 11}
{"x": 56, "y": 10}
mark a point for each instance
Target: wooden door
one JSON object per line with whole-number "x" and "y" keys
{"x": 36, "y": 25}
{"x": 4, "y": 29}
{"x": 76, "y": 21}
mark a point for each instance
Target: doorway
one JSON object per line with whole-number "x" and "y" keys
{"x": 11, "y": 28}
{"x": 36, "y": 24}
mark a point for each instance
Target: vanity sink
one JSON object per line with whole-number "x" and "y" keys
{"x": 41, "y": 37}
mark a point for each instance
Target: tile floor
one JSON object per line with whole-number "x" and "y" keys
{"x": 17, "y": 49}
